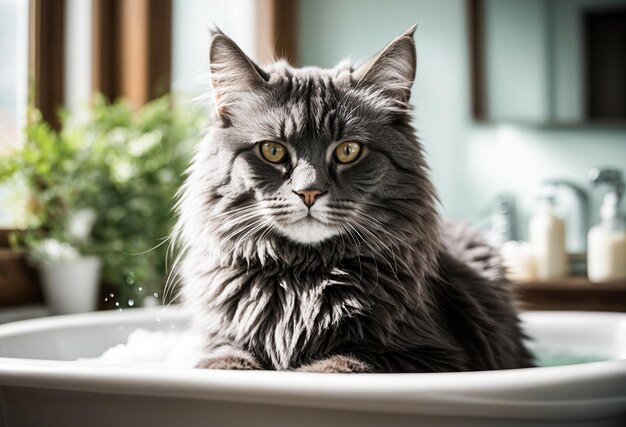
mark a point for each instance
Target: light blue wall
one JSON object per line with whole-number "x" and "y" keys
{"x": 516, "y": 60}
{"x": 192, "y": 20}
{"x": 470, "y": 164}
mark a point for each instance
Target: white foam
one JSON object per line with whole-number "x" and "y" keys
{"x": 154, "y": 348}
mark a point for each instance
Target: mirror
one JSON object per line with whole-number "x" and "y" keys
{"x": 549, "y": 62}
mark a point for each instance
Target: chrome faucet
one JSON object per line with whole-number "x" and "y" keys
{"x": 500, "y": 225}
{"x": 612, "y": 177}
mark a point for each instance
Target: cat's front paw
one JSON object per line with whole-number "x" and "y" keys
{"x": 234, "y": 361}
{"x": 337, "y": 364}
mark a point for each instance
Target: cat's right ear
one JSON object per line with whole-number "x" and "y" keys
{"x": 391, "y": 71}
{"x": 234, "y": 76}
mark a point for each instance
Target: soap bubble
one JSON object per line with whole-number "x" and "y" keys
{"x": 150, "y": 301}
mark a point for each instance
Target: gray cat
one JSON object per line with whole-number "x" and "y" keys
{"x": 310, "y": 235}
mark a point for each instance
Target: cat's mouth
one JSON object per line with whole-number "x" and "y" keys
{"x": 310, "y": 218}
{"x": 315, "y": 220}
{"x": 309, "y": 230}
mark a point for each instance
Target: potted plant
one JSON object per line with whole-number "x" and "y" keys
{"x": 56, "y": 220}
{"x": 100, "y": 195}
{"x": 69, "y": 280}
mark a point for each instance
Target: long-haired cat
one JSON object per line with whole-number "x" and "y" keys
{"x": 310, "y": 234}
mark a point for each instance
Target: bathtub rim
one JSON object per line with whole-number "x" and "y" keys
{"x": 559, "y": 392}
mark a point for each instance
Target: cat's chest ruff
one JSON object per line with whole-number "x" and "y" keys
{"x": 284, "y": 316}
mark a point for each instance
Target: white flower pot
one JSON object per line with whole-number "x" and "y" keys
{"x": 71, "y": 286}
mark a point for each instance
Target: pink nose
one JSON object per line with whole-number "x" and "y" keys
{"x": 308, "y": 196}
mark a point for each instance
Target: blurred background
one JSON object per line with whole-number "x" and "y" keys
{"x": 520, "y": 104}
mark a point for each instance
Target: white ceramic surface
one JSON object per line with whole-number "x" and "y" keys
{"x": 71, "y": 286}
{"x": 40, "y": 385}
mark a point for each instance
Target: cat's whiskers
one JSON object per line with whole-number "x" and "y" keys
{"x": 392, "y": 247}
{"x": 382, "y": 248}
{"x": 241, "y": 210}
{"x": 357, "y": 247}
{"x": 173, "y": 278}
{"x": 262, "y": 221}
{"x": 229, "y": 211}
{"x": 249, "y": 230}
{"x": 372, "y": 251}
{"x": 246, "y": 213}
{"x": 175, "y": 299}
{"x": 262, "y": 238}
{"x": 250, "y": 222}
{"x": 174, "y": 248}
{"x": 367, "y": 224}
{"x": 232, "y": 223}
{"x": 257, "y": 225}
{"x": 375, "y": 223}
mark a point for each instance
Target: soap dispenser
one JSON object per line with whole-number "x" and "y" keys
{"x": 606, "y": 251}
{"x": 547, "y": 239}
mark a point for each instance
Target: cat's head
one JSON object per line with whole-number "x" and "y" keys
{"x": 311, "y": 154}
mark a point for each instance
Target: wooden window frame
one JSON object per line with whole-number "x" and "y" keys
{"x": 277, "y": 31}
{"x": 132, "y": 49}
{"x": 475, "y": 20}
{"x": 132, "y": 44}
{"x": 47, "y": 57}
{"x": 46, "y": 69}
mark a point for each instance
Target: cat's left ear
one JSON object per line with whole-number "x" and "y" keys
{"x": 392, "y": 70}
{"x": 234, "y": 76}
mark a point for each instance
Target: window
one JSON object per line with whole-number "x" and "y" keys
{"x": 13, "y": 84}
{"x": 14, "y": 71}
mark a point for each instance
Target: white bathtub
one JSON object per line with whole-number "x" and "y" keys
{"x": 41, "y": 386}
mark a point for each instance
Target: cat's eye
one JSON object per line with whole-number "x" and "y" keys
{"x": 348, "y": 151}
{"x": 273, "y": 151}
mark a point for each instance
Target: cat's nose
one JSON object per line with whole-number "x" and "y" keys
{"x": 308, "y": 196}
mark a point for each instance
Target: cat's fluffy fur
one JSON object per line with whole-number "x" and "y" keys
{"x": 380, "y": 285}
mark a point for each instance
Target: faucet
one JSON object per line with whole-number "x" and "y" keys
{"x": 499, "y": 225}
{"x": 576, "y": 239}
{"x": 612, "y": 177}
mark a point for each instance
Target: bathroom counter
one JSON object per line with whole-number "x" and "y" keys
{"x": 572, "y": 293}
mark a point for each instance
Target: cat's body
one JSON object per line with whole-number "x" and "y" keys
{"x": 361, "y": 277}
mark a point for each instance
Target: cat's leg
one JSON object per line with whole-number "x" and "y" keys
{"x": 337, "y": 364}
{"x": 229, "y": 357}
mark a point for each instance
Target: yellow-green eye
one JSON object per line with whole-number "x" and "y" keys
{"x": 273, "y": 151}
{"x": 348, "y": 151}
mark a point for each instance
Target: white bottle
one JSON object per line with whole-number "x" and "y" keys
{"x": 518, "y": 261}
{"x": 547, "y": 241}
{"x": 606, "y": 253}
